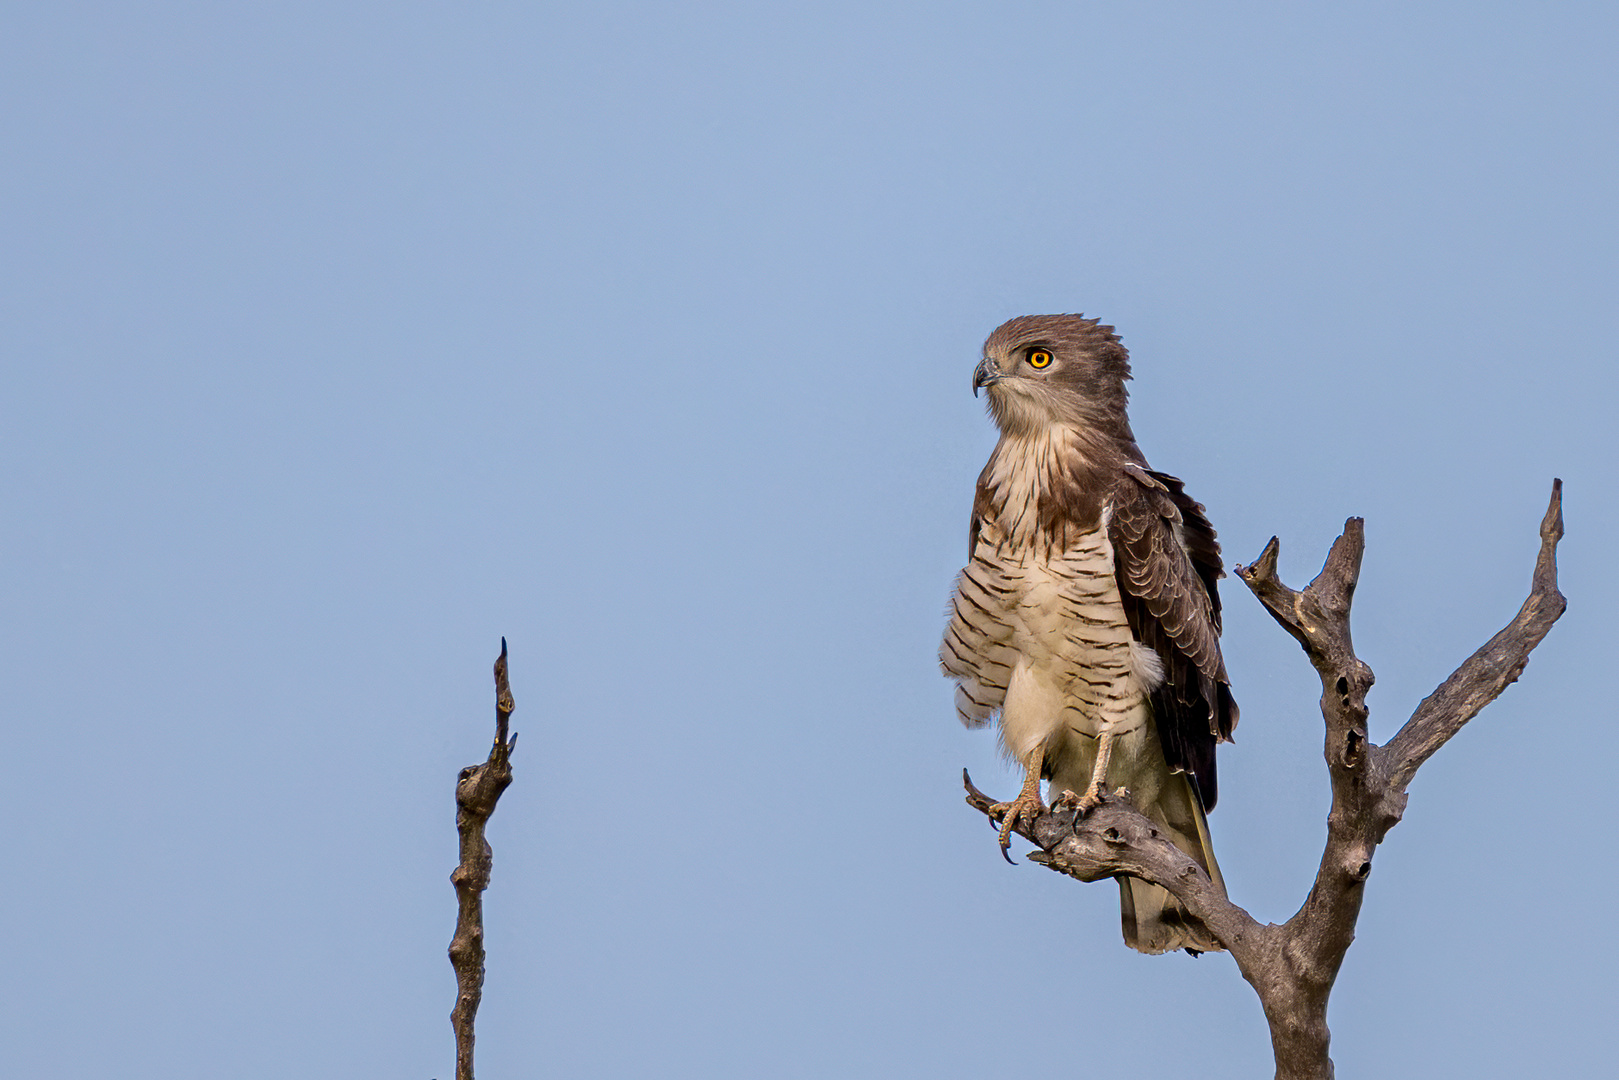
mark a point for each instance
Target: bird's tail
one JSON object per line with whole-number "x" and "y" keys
{"x": 1154, "y": 921}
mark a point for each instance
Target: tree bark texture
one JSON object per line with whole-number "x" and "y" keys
{"x": 477, "y": 790}
{"x": 1292, "y": 966}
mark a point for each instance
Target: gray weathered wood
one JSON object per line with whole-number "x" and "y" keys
{"x": 1292, "y": 966}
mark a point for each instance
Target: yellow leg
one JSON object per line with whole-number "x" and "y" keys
{"x": 1093, "y": 793}
{"x": 1027, "y": 806}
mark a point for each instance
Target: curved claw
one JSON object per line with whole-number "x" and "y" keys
{"x": 1025, "y": 806}
{"x": 1009, "y": 815}
{"x": 1080, "y": 804}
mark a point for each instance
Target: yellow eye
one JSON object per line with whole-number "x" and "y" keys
{"x": 1039, "y": 358}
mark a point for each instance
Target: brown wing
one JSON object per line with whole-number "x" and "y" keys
{"x": 1167, "y": 562}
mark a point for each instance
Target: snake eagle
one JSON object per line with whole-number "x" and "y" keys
{"x": 1087, "y": 620}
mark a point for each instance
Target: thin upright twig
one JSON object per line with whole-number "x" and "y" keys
{"x": 476, "y": 791}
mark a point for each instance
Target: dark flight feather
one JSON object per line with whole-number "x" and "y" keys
{"x": 1167, "y": 561}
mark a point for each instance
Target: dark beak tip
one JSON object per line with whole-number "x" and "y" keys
{"x": 983, "y": 375}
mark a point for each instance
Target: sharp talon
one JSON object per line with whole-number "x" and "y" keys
{"x": 1008, "y": 820}
{"x": 1084, "y": 804}
{"x": 1027, "y": 806}
{"x": 1007, "y": 826}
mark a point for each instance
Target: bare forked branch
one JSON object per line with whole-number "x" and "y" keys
{"x": 1485, "y": 674}
{"x": 1292, "y": 967}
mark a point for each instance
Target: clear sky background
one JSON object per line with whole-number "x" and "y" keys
{"x": 341, "y": 339}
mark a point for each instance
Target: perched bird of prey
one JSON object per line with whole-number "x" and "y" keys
{"x": 1087, "y": 619}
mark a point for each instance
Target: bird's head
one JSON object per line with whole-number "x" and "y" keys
{"x": 1041, "y": 370}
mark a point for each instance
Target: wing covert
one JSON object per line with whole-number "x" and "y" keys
{"x": 1167, "y": 563}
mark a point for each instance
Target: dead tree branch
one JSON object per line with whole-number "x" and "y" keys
{"x": 1493, "y": 668}
{"x": 477, "y": 790}
{"x": 1292, "y": 966}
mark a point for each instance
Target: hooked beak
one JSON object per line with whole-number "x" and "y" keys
{"x": 985, "y": 373}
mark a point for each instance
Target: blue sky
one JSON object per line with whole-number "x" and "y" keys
{"x": 343, "y": 339}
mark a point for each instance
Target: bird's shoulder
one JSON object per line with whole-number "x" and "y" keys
{"x": 1167, "y": 560}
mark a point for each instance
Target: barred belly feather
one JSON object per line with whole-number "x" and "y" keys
{"x": 1042, "y": 641}
{"x": 1038, "y": 634}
